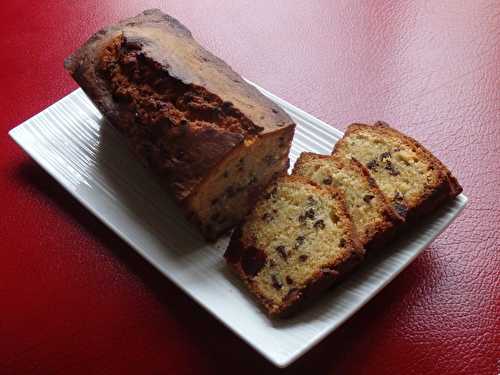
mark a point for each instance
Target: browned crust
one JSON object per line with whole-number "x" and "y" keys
{"x": 318, "y": 283}
{"x": 447, "y": 187}
{"x": 321, "y": 280}
{"x": 378, "y": 234}
{"x": 304, "y": 158}
{"x": 454, "y": 186}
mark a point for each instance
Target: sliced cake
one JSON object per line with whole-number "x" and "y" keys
{"x": 413, "y": 179}
{"x": 297, "y": 241}
{"x": 374, "y": 219}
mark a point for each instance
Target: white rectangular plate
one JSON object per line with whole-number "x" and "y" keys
{"x": 71, "y": 143}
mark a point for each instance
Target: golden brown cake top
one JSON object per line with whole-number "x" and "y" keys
{"x": 166, "y": 41}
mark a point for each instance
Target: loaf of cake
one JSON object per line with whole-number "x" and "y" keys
{"x": 212, "y": 138}
{"x": 413, "y": 180}
{"x": 374, "y": 219}
{"x": 296, "y": 241}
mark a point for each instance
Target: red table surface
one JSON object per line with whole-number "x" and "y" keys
{"x": 74, "y": 298}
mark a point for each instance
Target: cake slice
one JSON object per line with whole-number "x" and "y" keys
{"x": 374, "y": 219}
{"x": 297, "y": 241}
{"x": 212, "y": 139}
{"x": 413, "y": 180}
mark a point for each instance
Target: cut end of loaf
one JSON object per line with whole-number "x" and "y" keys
{"x": 227, "y": 194}
{"x": 297, "y": 239}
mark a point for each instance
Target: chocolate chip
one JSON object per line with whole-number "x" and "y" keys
{"x": 372, "y": 164}
{"x": 225, "y": 174}
{"x": 134, "y": 45}
{"x": 302, "y": 219}
{"x": 276, "y": 283}
{"x": 299, "y": 241}
{"x": 385, "y": 155}
{"x": 368, "y": 197}
{"x": 390, "y": 167}
{"x": 282, "y": 251}
{"x": 328, "y": 180}
{"x": 320, "y": 224}
{"x": 274, "y": 110}
{"x": 310, "y": 213}
{"x": 226, "y": 105}
{"x": 271, "y": 194}
{"x": 267, "y": 217}
{"x": 398, "y": 196}
{"x": 233, "y": 253}
{"x": 342, "y": 242}
{"x": 371, "y": 181}
{"x": 289, "y": 280}
{"x": 303, "y": 258}
{"x": 252, "y": 261}
{"x": 400, "y": 208}
{"x": 335, "y": 219}
{"x": 214, "y": 201}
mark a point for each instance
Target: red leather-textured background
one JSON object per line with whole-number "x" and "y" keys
{"x": 75, "y": 299}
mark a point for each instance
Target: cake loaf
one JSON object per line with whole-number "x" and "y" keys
{"x": 374, "y": 218}
{"x": 296, "y": 242}
{"x": 212, "y": 138}
{"x": 413, "y": 180}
